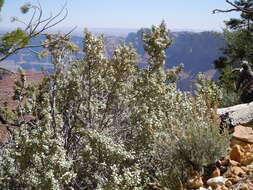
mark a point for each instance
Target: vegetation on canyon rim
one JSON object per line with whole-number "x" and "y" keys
{"x": 104, "y": 123}
{"x": 100, "y": 123}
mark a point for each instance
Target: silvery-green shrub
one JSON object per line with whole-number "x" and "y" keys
{"x": 104, "y": 123}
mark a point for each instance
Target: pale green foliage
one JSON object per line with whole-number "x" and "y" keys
{"x": 37, "y": 159}
{"x": 104, "y": 123}
{"x": 191, "y": 138}
{"x": 208, "y": 91}
{"x": 195, "y": 147}
{"x": 155, "y": 45}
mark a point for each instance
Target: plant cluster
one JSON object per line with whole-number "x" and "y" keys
{"x": 104, "y": 123}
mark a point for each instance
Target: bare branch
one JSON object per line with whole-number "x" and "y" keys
{"x": 47, "y": 26}
{"x": 38, "y": 20}
{"x": 31, "y": 46}
{"x": 236, "y": 8}
{"x": 31, "y": 20}
{"x": 70, "y": 31}
{"x": 32, "y": 50}
{"x": 34, "y": 24}
{"x": 224, "y": 11}
{"x": 22, "y": 22}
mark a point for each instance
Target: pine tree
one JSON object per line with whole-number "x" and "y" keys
{"x": 238, "y": 46}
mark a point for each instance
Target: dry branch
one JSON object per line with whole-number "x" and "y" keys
{"x": 235, "y": 8}
{"x": 36, "y": 26}
{"x": 238, "y": 114}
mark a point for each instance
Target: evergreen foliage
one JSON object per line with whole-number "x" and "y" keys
{"x": 1, "y": 3}
{"x": 238, "y": 48}
{"x": 14, "y": 41}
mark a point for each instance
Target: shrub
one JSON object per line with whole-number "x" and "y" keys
{"x": 103, "y": 123}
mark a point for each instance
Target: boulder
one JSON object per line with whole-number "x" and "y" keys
{"x": 237, "y": 115}
{"x": 244, "y": 134}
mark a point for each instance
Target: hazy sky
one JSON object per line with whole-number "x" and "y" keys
{"x": 178, "y": 14}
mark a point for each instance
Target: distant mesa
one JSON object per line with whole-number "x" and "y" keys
{"x": 196, "y": 50}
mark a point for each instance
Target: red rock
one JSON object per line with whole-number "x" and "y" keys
{"x": 236, "y": 153}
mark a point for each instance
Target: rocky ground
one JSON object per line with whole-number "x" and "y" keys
{"x": 233, "y": 172}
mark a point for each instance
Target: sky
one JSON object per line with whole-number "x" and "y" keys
{"x": 128, "y": 14}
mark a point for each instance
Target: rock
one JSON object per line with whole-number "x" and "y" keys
{"x": 216, "y": 173}
{"x": 242, "y": 134}
{"x": 234, "y": 141}
{"x": 223, "y": 187}
{"x": 234, "y": 163}
{"x": 236, "y": 153}
{"x": 247, "y": 148}
{"x": 234, "y": 173}
{"x": 223, "y": 169}
{"x": 202, "y": 188}
{"x": 235, "y": 179}
{"x": 237, "y": 171}
{"x": 216, "y": 181}
{"x": 247, "y": 158}
{"x": 195, "y": 182}
{"x": 250, "y": 166}
{"x": 229, "y": 184}
{"x": 241, "y": 154}
{"x": 245, "y": 169}
{"x": 236, "y": 115}
{"x": 244, "y": 187}
{"x": 224, "y": 162}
